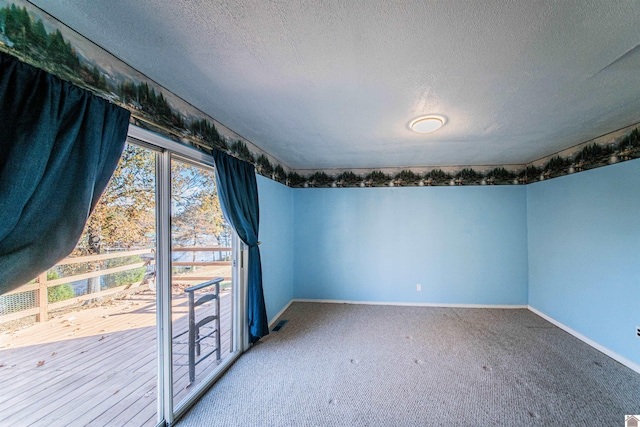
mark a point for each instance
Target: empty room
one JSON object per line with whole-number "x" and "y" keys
{"x": 319, "y": 213}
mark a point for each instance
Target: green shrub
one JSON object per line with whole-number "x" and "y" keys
{"x": 60, "y": 293}
{"x": 128, "y": 277}
{"x": 123, "y": 277}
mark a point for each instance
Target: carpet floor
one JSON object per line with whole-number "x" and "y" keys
{"x": 367, "y": 365}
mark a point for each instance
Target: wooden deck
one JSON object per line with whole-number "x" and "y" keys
{"x": 95, "y": 366}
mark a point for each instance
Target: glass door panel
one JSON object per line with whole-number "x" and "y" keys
{"x": 201, "y": 283}
{"x": 93, "y": 338}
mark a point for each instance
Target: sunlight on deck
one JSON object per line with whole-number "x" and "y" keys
{"x": 103, "y": 354}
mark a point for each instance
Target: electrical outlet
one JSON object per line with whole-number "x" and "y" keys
{"x": 638, "y": 331}
{"x": 419, "y": 287}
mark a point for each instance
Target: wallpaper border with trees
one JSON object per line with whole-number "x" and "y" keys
{"x": 36, "y": 38}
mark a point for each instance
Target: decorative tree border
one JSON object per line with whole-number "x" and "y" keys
{"x": 36, "y": 38}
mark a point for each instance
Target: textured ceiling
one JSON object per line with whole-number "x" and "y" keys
{"x": 334, "y": 84}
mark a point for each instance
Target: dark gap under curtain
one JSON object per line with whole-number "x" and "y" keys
{"x": 59, "y": 146}
{"x": 238, "y": 193}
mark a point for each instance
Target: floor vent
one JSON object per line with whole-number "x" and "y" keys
{"x": 279, "y": 325}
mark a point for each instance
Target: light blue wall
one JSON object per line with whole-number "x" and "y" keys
{"x": 584, "y": 253}
{"x": 276, "y": 250}
{"x": 465, "y": 245}
{"x": 568, "y": 247}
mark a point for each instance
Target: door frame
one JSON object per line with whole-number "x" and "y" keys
{"x": 168, "y": 413}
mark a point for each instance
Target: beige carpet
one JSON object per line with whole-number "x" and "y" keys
{"x": 363, "y": 365}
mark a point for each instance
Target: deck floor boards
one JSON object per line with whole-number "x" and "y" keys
{"x": 128, "y": 410}
{"x": 95, "y": 366}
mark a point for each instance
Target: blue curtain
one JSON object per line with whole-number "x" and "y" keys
{"x": 59, "y": 145}
{"x": 238, "y": 193}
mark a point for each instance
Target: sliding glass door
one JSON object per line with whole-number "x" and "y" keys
{"x": 78, "y": 344}
{"x": 200, "y": 286}
{"x": 145, "y": 313}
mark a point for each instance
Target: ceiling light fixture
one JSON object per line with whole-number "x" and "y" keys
{"x": 427, "y": 124}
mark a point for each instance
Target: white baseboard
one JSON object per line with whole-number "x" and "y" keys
{"x": 277, "y": 316}
{"x": 409, "y": 304}
{"x": 615, "y": 356}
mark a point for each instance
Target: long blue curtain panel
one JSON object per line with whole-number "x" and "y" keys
{"x": 238, "y": 193}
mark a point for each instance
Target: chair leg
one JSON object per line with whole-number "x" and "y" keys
{"x": 197, "y": 342}
{"x": 192, "y": 339}
{"x": 217, "y": 323}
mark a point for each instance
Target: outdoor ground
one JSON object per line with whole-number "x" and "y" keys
{"x": 104, "y": 352}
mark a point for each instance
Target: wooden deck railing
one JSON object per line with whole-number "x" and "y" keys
{"x": 42, "y": 284}
{"x": 194, "y": 278}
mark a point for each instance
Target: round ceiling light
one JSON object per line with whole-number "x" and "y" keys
{"x": 427, "y": 124}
